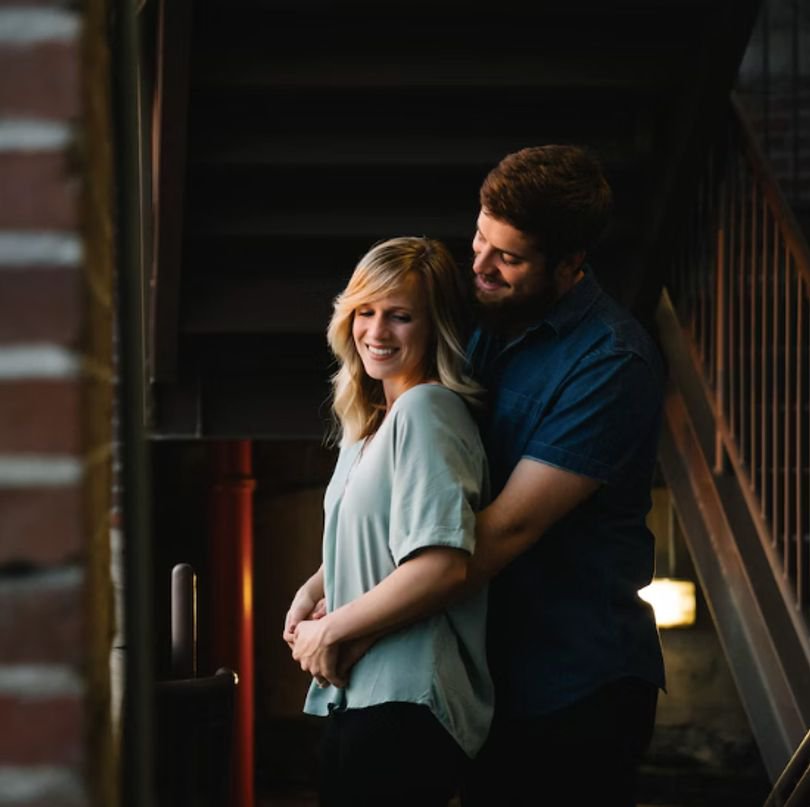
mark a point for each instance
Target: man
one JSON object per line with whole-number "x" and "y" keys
{"x": 576, "y": 388}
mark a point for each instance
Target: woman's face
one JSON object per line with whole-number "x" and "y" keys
{"x": 392, "y": 335}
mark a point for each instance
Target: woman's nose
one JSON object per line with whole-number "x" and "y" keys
{"x": 378, "y": 327}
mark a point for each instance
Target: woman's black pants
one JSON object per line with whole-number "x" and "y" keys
{"x": 394, "y": 754}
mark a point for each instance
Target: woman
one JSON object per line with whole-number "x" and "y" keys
{"x": 399, "y": 527}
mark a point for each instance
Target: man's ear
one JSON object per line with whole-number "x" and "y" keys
{"x": 568, "y": 269}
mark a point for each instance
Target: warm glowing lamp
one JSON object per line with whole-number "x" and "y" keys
{"x": 672, "y": 600}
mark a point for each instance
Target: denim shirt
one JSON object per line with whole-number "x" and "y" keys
{"x": 582, "y": 390}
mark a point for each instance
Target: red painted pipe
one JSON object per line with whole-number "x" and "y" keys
{"x": 231, "y": 550}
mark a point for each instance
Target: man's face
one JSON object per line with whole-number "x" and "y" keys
{"x": 512, "y": 280}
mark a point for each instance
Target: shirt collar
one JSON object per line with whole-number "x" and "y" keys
{"x": 573, "y": 305}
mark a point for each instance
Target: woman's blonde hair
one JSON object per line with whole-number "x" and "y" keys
{"x": 358, "y": 401}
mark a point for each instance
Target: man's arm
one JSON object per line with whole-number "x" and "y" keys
{"x": 535, "y": 497}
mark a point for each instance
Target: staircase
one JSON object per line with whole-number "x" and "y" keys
{"x": 315, "y": 129}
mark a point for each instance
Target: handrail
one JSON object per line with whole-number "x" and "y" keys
{"x": 741, "y": 286}
{"x": 792, "y": 787}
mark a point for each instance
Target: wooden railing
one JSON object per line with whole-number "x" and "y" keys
{"x": 740, "y": 283}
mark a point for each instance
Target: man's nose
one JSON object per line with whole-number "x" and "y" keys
{"x": 482, "y": 260}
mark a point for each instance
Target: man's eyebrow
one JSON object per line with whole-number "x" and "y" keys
{"x": 519, "y": 255}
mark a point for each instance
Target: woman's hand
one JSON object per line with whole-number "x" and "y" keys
{"x": 312, "y": 649}
{"x": 302, "y": 608}
{"x": 308, "y": 603}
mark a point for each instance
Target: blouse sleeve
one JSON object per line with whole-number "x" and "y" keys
{"x": 439, "y": 473}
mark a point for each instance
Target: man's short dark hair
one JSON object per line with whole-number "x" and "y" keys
{"x": 556, "y": 194}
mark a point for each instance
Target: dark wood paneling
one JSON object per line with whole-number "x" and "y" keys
{"x": 317, "y": 129}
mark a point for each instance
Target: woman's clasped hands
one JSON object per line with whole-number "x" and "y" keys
{"x": 307, "y": 632}
{"x": 316, "y": 655}
{"x": 305, "y": 638}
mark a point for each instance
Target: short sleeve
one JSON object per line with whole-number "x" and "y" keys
{"x": 604, "y": 411}
{"x": 439, "y": 473}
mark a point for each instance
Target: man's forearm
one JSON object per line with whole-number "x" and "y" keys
{"x": 498, "y": 541}
{"x": 535, "y": 497}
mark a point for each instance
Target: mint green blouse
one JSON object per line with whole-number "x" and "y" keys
{"x": 417, "y": 484}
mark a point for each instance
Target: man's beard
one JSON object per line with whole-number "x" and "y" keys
{"x": 511, "y": 316}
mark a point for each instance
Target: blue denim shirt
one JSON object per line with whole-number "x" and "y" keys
{"x": 582, "y": 390}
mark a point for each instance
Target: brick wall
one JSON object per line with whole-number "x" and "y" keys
{"x": 55, "y": 394}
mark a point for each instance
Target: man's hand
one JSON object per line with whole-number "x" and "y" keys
{"x": 316, "y": 655}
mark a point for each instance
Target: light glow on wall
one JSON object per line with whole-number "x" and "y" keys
{"x": 672, "y": 600}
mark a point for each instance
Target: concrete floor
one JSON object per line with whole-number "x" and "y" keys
{"x": 310, "y": 800}
{"x": 659, "y": 788}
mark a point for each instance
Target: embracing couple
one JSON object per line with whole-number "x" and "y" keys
{"x": 475, "y": 628}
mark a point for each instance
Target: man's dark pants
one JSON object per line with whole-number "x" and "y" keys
{"x": 586, "y": 754}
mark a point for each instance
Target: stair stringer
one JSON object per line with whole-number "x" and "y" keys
{"x": 766, "y": 655}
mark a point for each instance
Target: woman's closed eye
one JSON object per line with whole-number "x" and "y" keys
{"x": 397, "y": 316}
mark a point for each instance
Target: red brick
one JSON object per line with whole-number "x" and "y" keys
{"x": 37, "y": 192}
{"x": 40, "y": 304}
{"x": 48, "y": 786}
{"x": 41, "y": 620}
{"x": 40, "y": 80}
{"x": 42, "y": 526}
{"x": 56, "y": 799}
{"x": 41, "y": 730}
{"x": 57, "y": 4}
{"x": 40, "y": 417}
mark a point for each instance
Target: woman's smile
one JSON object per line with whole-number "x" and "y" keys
{"x": 381, "y": 353}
